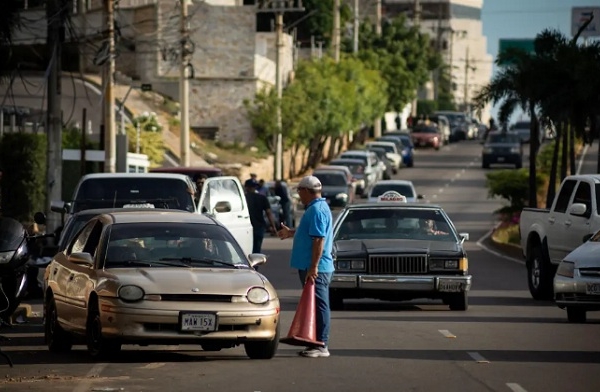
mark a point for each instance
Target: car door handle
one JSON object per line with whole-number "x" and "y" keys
{"x": 551, "y": 220}
{"x": 568, "y": 223}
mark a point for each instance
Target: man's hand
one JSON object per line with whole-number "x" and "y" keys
{"x": 285, "y": 232}
{"x": 311, "y": 274}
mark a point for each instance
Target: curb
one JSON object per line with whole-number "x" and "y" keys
{"x": 482, "y": 245}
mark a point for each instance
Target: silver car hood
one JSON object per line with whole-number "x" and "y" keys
{"x": 586, "y": 255}
{"x": 185, "y": 280}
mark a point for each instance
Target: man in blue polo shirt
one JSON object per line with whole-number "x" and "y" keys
{"x": 312, "y": 255}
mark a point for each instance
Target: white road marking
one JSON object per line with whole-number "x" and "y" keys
{"x": 457, "y": 175}
{"x": 441, "y": 190}
{"x": 515, "y": 387}
{"x": 84, "y": 385}
{"x": 446, "y": 333}
{"x": 581, "y": 159}
{"x": 477, "y": 357}
{"x": 482, "y": 246}
{"x": 153, "y": 365}
{"x": 462, "y": 171}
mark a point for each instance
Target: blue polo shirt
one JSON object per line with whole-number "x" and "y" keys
{"x": 316, "y": 222}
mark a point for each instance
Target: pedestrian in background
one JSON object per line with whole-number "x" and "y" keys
{"x": 286, "y": 204}
{"x": 258, "y": 206}
{"x": 312, "y": 255}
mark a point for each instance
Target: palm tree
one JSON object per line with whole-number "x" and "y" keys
{"x": 517, "y": 85}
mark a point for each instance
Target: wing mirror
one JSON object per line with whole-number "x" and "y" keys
{"x": 59, "y": 206}
{"x": 82, "y": 258}
{"x": 578, "y": 209}
{"x": 257, "y": 259}
{"x": 464, "y": 236}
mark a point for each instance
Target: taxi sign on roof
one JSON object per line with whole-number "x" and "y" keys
{"x": 392, "y": 196}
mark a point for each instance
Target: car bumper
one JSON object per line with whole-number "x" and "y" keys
{"x": 502, "y": 158}
{"x": 576, "y": 293}
{"x": 160, "y": 322}
{"x": 411, "y": 283}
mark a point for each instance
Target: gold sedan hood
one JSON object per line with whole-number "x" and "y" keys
{"x": 183, "y": 280}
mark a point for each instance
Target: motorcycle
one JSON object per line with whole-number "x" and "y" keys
{"x": 16, "y": 248}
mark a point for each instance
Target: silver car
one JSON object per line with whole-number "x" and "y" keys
{"x": 577, "y": 281}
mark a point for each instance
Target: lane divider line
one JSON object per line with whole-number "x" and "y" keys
{"x": 86, "y": 383}
{"x": 515, "y": 387}
{"x": 477, "y": 357}
{"x": 498, "y": 254}
{"x": 447, "y": 333}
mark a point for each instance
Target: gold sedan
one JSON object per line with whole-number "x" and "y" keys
{"x": 150, "y": 277}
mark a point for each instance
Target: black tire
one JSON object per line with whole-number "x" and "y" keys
{"x": 411, "y": 164}
{"x": 539, "y": 274}
{"x": 459, "y": 301}
{"x": 336, "y": 301}
{"x": 57, "y": 339}
{"x": 576, "y": 315}
{"x": 264, "y": 349}
{"x": 97, "y": 345}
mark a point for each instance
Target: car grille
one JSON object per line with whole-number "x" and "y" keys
{"x": 195, "y": 297}
{"x": 501, "y": 150}
{"x": 397, "y": 264}
{"x": 591, "y": 272}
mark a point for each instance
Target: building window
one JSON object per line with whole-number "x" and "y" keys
{"x": 465, "y": 12}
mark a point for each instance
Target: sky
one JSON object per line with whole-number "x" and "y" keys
{"x": 525, "y": 19}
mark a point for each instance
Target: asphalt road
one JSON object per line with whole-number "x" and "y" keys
{"x": 506, "y": 341}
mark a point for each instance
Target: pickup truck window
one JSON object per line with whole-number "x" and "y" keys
{"x": 584, "y": 195}
{"x": 564, "y": 196}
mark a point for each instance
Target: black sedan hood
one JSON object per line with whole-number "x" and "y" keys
{"x": 342, "y": 247}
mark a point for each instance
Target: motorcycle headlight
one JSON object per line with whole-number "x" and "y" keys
{"x": 5, "y": 257}
{"x": 515, "y": 150}
{"x": 566, "y": 269}
{"x": 341, "y": 196}
{"x": 257, "y": 295}
{"x": 131, "y": 293}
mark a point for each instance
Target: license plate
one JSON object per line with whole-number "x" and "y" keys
{"x": 205, "y": 322}
{"x": 139, "y": 205}
{"x": 592, "y": 289}
{"x": 450, "y": 287}
{"x": 500, "y": 159}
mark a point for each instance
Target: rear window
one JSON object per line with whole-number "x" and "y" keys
{"x": 133, "y": 192}
{"x": 386, "y": 148}
{"x": 332, "y": 179}
{"x": 355, "y": 168}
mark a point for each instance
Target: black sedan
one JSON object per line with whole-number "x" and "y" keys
{"x": 399, "y": 251}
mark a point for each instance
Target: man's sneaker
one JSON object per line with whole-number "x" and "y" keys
{"x": 318, "y": 352}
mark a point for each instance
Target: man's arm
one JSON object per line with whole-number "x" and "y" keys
{"x": 318, "y": 244}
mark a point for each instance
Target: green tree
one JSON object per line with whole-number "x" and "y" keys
{"x": 151, "y": 140}
{"x": 402, "y": 55}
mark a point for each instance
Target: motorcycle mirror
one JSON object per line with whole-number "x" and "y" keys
{"x": 39, "y": 218}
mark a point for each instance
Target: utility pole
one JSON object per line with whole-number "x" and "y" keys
{"x": 184, "y": 87}
{"x": 279, "y": 7}
{"x": 377, "y": 125}
{"x": 356, "y": 27}
{"x": 110, "y": 130}
{"x": 336, "y": 30}
{"x": 56, "y": 14}
{"x": 468, "y": 68}
{"x": 416, "y": 22}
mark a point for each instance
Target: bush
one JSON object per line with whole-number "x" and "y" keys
{"x": 513, "y": 186}
{"x": 23, "y": 158}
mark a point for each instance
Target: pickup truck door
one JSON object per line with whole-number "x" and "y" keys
{"x": 577, "y": 226}
{"x": 237, "y": 219}
{"x": 558, "y": 246}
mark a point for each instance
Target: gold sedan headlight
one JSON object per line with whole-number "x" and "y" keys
{"x": 131, "y": 293}
{"x": 257, "y": 295}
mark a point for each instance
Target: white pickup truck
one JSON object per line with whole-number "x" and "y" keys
{"x": 548, "y": 235}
